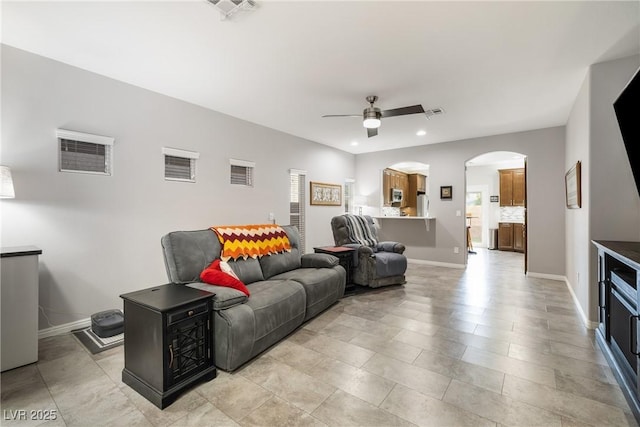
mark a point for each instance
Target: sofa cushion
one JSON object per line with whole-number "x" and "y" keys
{"x": 225, "y": 297}
{"x": 187, "y": 253}
{"x": 276, "y": 264}
{"x": 248, "y": 271}
{"x": 319, "y": 261}
{"x": 390, "y": 264}
{"x": 215, "y": 276}
{"x": 323, "y": 286}
{"x": 275, "y": 303}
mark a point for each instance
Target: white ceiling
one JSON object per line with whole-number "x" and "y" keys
{"x": 495, "y": 67}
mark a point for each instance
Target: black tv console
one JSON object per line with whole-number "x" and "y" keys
{"x": 618, "y": 332}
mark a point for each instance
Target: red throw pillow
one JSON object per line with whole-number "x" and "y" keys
{"x": 213, "y": 275}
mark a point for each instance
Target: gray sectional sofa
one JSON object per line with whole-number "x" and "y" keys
{"x": 286, "y": 290}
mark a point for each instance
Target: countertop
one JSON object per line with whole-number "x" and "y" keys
{"x": 14, "y": 251}
{"x": 628, "y": 250}
{"x": 405, "y": 217}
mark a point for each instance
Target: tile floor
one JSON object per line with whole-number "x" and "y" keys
{"x": 481, "y": 346}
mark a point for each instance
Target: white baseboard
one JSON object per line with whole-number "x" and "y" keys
{"x": 436, "y": 263}
{"x": 546, "y": 276}
{"x": 589, "y": 324}
{"x": 64, "y": 329}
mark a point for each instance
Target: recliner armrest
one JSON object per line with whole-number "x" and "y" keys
{"x": 224, "y": 298}
{"x": 361, "y": 251}
{"x": 319, "y": 261}
{"x": 396, "y": 247}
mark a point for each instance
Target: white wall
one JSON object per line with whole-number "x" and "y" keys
{"x": 577, "y": 220}
{"x": 610, "y": 202}
{"x": 100, "y": 235}
{"x": 544, "y": 149}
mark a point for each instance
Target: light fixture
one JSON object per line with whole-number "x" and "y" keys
{"x": 354, "y": 143}
{"x": 371, "y": 118}
{"x": 6, "y": 183}
{"x": 421, "y": 132}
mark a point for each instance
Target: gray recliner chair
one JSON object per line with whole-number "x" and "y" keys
{"x": 375, "y": 263}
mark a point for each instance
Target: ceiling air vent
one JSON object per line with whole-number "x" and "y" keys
{"x": 433, "y": 112}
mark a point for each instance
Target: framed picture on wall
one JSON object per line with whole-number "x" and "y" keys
{"x": 572, "y": 187}
{"x": 324, "y": 194}
{"x": 446, "y": 192}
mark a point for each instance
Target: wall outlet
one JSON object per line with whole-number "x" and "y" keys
{"x": 458, "y": 213}
{"x": 456, "y": 250}
{"x": 272, "y": 216}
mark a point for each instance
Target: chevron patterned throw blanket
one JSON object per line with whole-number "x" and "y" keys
{"x": 359, "y": 231}
{"x": 255, "y": 241}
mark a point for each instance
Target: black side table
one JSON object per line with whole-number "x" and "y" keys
{"x": 345, "y": 257}
{"x": 168, "y": 341}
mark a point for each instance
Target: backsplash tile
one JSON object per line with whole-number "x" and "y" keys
{"x": 512, "y": 214}
{"x": 390, "y": 211}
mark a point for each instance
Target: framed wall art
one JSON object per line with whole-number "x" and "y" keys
{"x": 572, "y": 187}
{"x": 323, "y": 194}
{"x": 446, "y": 192}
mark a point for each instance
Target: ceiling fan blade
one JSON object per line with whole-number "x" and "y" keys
{"x": 372, "y": 132}
{"x": 414, "y": 109}
{"x": 343, "y": 115}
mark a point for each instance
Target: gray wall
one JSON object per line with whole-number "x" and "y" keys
{"x": 101, "y": 235}
{"x": 611, "y": 205}
{"x": 544, "y": 149}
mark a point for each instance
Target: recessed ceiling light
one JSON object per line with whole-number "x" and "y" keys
{"x": 354, "y": 143}
{"x": 421, "y": 132}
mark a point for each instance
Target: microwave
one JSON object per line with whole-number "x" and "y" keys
{"x": 396, "y": 195}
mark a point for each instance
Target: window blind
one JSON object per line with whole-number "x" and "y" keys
{"x": 242, "y": 175}
{"x": 179, "y": 168}
{"x": 84, "y": 152}
{"x": 84, "y": 156}
{"x": 297, "y": 204}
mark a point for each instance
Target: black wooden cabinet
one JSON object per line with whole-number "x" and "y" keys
{"x": 168, "y": 341}
{"x": 618, "y": 329}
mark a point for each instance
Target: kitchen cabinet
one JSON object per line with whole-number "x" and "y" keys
{"x": 518, "y": 237}
{"x": 505, "y": 236}
{"x": 511, "y": 236}
{"x": 394, "y": 179}
{"x": 512, "y": 187}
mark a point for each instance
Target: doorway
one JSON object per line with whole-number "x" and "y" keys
{"x": 495, "y": 208}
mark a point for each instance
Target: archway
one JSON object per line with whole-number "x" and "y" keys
{"x": 495, "y": 208}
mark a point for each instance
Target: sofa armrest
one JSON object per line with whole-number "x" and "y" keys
{"x": 319, "y": 261}
{"x": 224, "y": 298}
{"x": 391, "y": 247}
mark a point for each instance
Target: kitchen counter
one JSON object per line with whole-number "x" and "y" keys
{"x": 404, "y": 217}
{"x": 426, "y": 219}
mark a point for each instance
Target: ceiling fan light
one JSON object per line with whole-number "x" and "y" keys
{"x": 371, "y": 123}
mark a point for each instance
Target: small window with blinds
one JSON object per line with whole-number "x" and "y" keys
{"x": 84, "y": 153}
{"x": 179, "y": 165}
{"x": 297, "y": 197}
{"x": 242, "y": 172}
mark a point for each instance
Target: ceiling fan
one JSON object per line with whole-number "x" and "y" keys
{"x": 371, "y": 115}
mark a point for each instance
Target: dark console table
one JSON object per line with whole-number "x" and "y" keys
{"x": 345, "y": 258}
{"x": 168, "y": 341}
{"x": 618, "y": 332}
